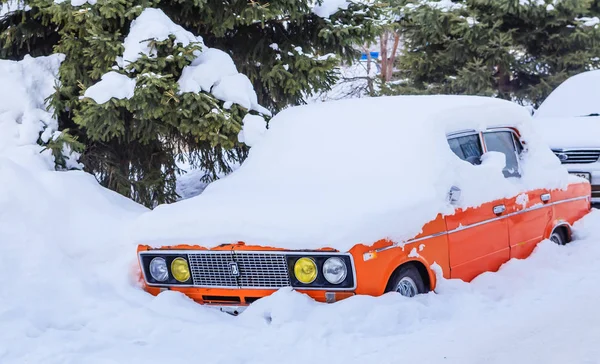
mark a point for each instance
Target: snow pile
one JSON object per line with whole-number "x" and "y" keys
{"x": 24, "y": 117}
{"x": 344, "y": 172}
{"x": 112, "y": 85}
{"x": 212, "y": 71}
{"x": 570, "y": 115}
{"x": 77, "y": 307}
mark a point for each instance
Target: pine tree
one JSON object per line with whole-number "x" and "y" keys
{"x": 513, "y": 49}
{"x": 285, "y": 49}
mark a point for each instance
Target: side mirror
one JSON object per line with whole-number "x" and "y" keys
{"x": 454, "y": 195}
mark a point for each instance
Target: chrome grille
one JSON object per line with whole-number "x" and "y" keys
{"x": 212, "y": 269}
{"x": 256, "y": 270}
{"x": 262, "y": 270}
{"x": 577, "y": 155}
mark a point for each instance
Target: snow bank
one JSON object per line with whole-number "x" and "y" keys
{"x": 23, "y": 109}
{"x": 77, "y": 309}
{"x": 577, "y": 96}
{"x": 344, "y": 172}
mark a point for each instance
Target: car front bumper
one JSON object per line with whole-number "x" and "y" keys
{"x": 235, "y": 301}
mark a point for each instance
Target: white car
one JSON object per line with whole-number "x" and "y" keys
{"x": 569, "y": 120}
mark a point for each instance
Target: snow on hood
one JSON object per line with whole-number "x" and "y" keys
{"x": 570, "y": 132}
{"x": 344, "y": 172}
{"x": 577, "y": 96}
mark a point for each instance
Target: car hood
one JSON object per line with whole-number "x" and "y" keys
{"x": 570, "y": 132}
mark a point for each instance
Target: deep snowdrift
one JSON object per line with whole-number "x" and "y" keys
{"x": 340, "y": 173}
{"x": 67, "y": 297}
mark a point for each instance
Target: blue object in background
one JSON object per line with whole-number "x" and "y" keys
{"x": 363, "y": 56}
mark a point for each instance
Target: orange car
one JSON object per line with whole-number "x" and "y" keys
{"x": 462, "y": 245}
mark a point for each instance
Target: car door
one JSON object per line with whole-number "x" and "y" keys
{"x": 477, "y": 237}
{"x": 527, "y": 214}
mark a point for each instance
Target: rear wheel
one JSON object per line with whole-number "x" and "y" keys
{"x": 407, "y": 281}
{"x": 559, "y": 237}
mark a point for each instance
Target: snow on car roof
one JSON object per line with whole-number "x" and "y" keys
{"x": 344, "y": 172}
{"x": 577, "y": 96}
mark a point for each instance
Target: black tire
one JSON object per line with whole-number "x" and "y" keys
{"x": 407, "y": 281}
{"x": 559, "y": 237}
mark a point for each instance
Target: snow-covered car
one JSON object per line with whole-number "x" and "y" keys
{"x": 364, "y": 197}
{"x": 569, "y": 120}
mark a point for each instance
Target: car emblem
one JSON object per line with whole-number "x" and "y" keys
{"x": 235, "y": 271}
{"x": 562, "y": 156}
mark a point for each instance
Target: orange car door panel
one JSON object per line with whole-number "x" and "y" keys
{"x": 529, "y": 217}
{"x": 477, "y": 240}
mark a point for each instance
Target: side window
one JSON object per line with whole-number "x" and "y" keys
{"x": 467, "y": 148}
{"x": 503, "y": 141}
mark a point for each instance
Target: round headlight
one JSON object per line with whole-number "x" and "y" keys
{"x": 180, "y": 269}
{"x": 335, "y": 270}
{"x": 305, "y": 270}
{"x": 158, "y": 269}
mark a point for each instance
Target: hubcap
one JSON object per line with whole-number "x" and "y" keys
{"x": 556, "y": 239}
{"x": 407, "y": 287}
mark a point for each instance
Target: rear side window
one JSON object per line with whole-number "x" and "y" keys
{"x": 467, "y": 148}
{"x": 504, "y": 142}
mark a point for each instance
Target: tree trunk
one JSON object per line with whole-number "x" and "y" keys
{"x": 392, "y": 58}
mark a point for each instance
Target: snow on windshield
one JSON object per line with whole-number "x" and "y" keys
{"x": 339, "y": 173}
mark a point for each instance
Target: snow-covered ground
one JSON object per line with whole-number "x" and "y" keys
{"x": 67, "y": 297}
{"x": 68, "y": 292}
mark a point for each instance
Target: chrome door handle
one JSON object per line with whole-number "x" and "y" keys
{"x": 499, "y": 209}
{"x": 545, "y": 197}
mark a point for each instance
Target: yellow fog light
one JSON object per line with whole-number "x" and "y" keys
{"x": 305, "y": 270}
{"x": 180, "y": 270}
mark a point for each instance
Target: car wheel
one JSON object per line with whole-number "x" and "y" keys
{"x": 407, "y": 281}
{"x": 558, "y": 237}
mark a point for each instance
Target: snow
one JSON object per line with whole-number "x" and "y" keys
{"x": 24, "y": 116}
{"x": 10, "y": 6}
{"x": 212, "y": 71}
{"x": 77, "y": 2}
{"x": 343, "y": 172}
{"x": 206, "y": 70}
{"x": 253, "y": 130}
{"x": 577, "y": 96}
{"x": 563, "y": 118}
{"x": 69, "y": 294}
{"x": 589, "y": 21}
{"x": 152, "y": 24}
{"x": 573, "y": 132}
{"x": 330, "y": 7}
{"x": 442, "y": 5}
{"x": 238, "y": 89}
{"x": 112, "y": 85}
